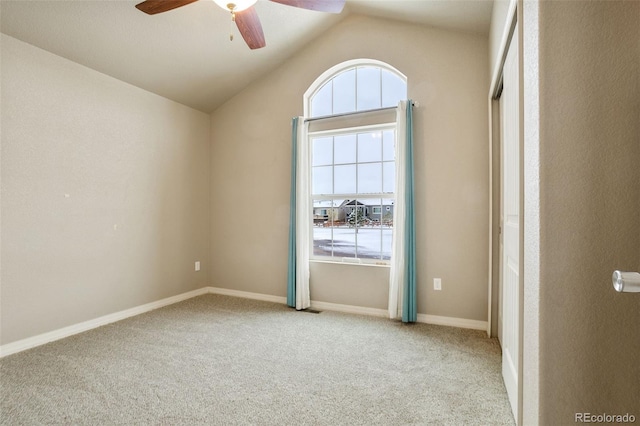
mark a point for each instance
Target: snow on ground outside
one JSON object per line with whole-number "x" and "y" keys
{"x": 370, "y": 242}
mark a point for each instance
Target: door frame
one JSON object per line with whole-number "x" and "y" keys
{"x": 495, "y": 192}
{"x": 493, "y": 101}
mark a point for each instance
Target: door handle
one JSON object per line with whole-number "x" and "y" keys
{"x": 626, "y": 282}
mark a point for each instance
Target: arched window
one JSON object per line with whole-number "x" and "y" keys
{"x": 358, "y": 85}
{"x": 352, "y": 159}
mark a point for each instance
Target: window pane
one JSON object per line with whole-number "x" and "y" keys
{"x": 389, "y": 173}
{"x": 387, "y": 212}
{"x": 388, "y": 145}
{"x": 369, "y": 242}
{"x": 368, "y": 88}
{"x": 369, "y": 178}
{"x": 369, "y": 147}
{"x": 344, "y": 241}
{"x": 321, "y": 101}
{"x": 345, "y": 149}
{"x": 335, "y": 215}
{"x": 357, "y": 89}
{"x": 322, "y": 180}
{"x": 345, "y": 179}
{"x": 322, "y": 240}
{"x": 344, "y": 92}
{"x": 375, "y": 211}
{"x": 322, "y": 151}
{"x": 394, "y": 89}
{"x": 320, "y": 210}
{"x": 386, "y": 243}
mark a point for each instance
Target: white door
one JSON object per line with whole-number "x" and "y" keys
{"x": 510, "y": 214}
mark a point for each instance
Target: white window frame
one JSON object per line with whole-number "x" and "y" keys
{"x": 381, "y": 127}
{"x": 375, "y": 119}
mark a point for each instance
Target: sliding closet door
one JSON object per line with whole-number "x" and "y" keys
{"x": 510, "y": 214}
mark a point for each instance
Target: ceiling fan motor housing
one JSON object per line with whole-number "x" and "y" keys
{"x": 236, "y": 5}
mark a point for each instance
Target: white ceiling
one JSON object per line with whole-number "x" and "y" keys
{"x": 185, "y": 54}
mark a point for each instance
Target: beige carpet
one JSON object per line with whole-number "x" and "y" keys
{"x": 223, "y": 360}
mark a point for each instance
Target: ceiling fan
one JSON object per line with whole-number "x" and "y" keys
{"x": 244, "y": 14}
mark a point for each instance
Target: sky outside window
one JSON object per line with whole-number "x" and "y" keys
{"x": 358, "y": 89}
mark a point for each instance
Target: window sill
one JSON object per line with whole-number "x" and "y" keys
{"x": 335, "y": 262}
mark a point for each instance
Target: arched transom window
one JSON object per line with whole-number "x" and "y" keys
{"x": 352, "y": 86}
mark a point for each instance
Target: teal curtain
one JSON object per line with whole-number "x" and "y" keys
{"x": 409, "y": 301}
{"x": 291, "y": 274}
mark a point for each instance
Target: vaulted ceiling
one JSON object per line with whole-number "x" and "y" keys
{"x": 185, "y": 54}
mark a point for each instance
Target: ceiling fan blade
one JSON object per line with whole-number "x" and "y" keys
{"x": 151, "y": 7}
{"x": 250, "y": 28}
{"x": 330, "y": 6}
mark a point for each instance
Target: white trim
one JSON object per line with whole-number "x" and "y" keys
{"x": 358, "y": 310}
{"x": 349, "y": 309}
{"x": 452, "y": 322}
{"x": 333, "y": 261}
{"x": 492, "y": 142}
{"x": 496, "y": 78}
{"x": 507, "y": 34}
{"x": 366, "y": 128}
{"x": 247, "y": 295}
{"x": 41, "y": 339}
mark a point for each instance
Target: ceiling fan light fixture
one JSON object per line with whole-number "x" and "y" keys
{"x": 235, "y": 5}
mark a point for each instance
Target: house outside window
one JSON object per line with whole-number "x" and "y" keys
{"x": 353, "y": 166}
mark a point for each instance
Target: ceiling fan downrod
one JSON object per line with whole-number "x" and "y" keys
{"x": 231, "y": 8}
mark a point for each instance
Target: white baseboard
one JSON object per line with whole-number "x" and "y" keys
{"x": 349, "y": 309}
{"x": 360, "y": 310}
{"x": 246, "y": 295}
{"x": 41, "y": 339}
{"x": 453, "y": 322}
{"x": 321, "y": 306}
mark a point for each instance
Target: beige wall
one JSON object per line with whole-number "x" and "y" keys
{"x": 329, "y": 280}
{"x": 589, "y": 65}
{"x": 251, "y": 148}
{"x": 82, "y": 153}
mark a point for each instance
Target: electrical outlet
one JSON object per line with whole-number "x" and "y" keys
{"x": 197, "y": 265}
{"x": 437, "y": 284}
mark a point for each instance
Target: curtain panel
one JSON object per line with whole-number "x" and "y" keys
{"x": 402, "y": 277}
{"x": 299, "y": 219}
